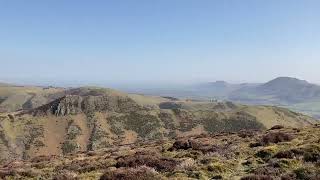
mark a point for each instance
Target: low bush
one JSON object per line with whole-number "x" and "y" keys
{"x": 277, "y": 127}
{"x": 266, "y": 152}
{"x": 217, "y": 168}
{"x": 257, "y": 177}
{"x": 6, "y": 173}
{"x": 65, "y": 175}
{"x": 181, "y": 144}
{"x": 185, "y": 144}
{"x": 290, "y": 176}
{"x": 69, "y": 147}
{"x": 83, "y": 166}
{"x": 275, "y": 137}
{"x": 158, "y": 163}
{"x": 311, "y": 153}
{"x": 187, "y": 165}
{"x": 267, "y": 171}
{"x": 288, "y": 154}
{"x": 246, "y": 133}
{"x": 304, "y": 173}
{"x": 255, "y": 144}
{"x": 41, "y": 159}
{"x": 217, "y": 177}
{"x": 138, "y": 173}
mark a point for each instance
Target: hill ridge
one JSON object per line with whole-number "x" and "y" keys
{"x": 74, "y": 104}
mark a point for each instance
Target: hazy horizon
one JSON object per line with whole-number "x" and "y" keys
{"x": 128, "y": 86}
{"x": 114, "y": 43}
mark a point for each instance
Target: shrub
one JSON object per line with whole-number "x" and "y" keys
{"x": 255, "y": 144}
{"x": 311, "y": 153}
{"x": 277, "y": 127}
{"x": 266, "y": 171}
{"x": 189, "y": 154}
{"x": 196, "y": 145}
{"x": 246, "y": 133}
{"x": 266, "y": 152}
{"x": 5, "y": 173}
{"x": 257, "y": 177}
{"x": 190, "y": 144}
{"x": 217, "y": 177}
{"x": 65, "y": 175}
{"x": 11, "y": 117}
{"x": 83, "y": 166}
{"x": 73, "y": 131}
{"x": 187, "y": 165}
{"x": 217, "y": 168}
{"x": 139, "y": 173}
{"x": 288, "y": 154}
{"x": 181, "y": 144}
{"x": 275, "y": 137}
{"x": 289, "y": 176}
{"x": 285, "y": 154}
{"x": 159, "y": 163}
{"x": 303, "y": 173}
{"x": 41, "y": 159}
{"x": 69, "y": 147}
{"x": 283, "y": 163}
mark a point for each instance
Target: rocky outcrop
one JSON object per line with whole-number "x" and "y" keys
{"x": 74, "y": 104}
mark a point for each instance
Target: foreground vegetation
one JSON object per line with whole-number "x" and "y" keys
{"x": 277, "y": 153}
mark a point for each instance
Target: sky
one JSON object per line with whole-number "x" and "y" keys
{"x": 158, "y": 41}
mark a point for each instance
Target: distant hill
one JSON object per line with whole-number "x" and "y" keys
{"x": 282, "y": 90}
{"x": 91, "y": 118}
{"x": 298, "y": 95}
{"x": 219, "y": 89}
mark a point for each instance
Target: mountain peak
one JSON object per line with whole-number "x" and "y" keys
{"x": 290, "y": 79}
{"x": 287, "y": 82}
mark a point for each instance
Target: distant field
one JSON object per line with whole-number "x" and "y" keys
{"x": 311, "y": 108}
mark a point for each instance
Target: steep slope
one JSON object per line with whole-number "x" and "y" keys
{"x": 93, "y": 118}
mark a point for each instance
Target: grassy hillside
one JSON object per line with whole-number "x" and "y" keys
{"x": 86, "y": 119}
{"x": 277, "y": 153}
{"x": 13, "y": 98}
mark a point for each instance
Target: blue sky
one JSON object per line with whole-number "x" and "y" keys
{"x": 158, "y": 41}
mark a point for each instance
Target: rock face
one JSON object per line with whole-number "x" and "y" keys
{"x": 74, "y": 104}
